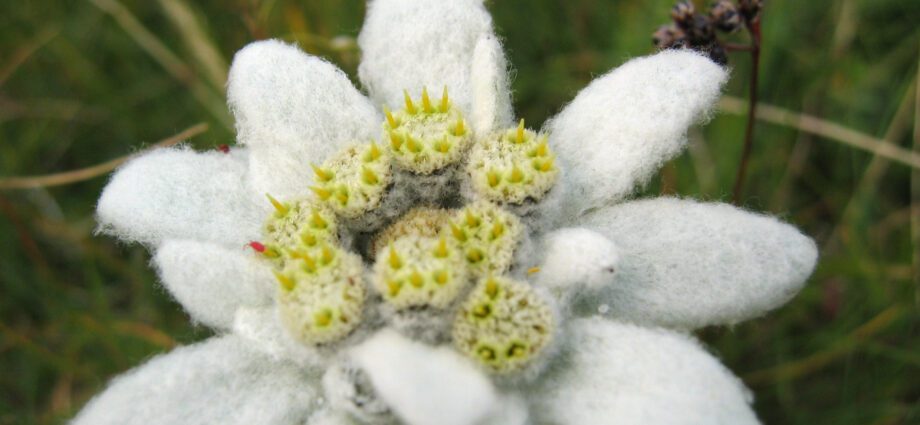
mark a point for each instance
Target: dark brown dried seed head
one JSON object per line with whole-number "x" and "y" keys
{"x": 682, "y": 13}
{"x": 725, "y": 16}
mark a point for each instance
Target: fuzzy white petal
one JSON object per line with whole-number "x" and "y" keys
{"x": 576, "y": 258}
{"x": 614, "y": 373}
{"x": 219, "y": 381}
{"x": 211, "y": 281}
{"x": 292, "y": 109}
{"x": 491, "y": 109}
{"x": 621, "y": 128}
{"x": 425, "y": 385}
{"x": 178, "y": 193}
{"x": 512, "y": 409}
{"x": 262, "y": 328}
{"x": 686, "y": 264}
{"x": 408, "y": 44}
{"x": 331, "y": 417}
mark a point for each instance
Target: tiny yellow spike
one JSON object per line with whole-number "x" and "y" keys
{"x": 287, "y": 283}
{"x": 342, "y": 196}
{"x": 543, "y": 148}
{"x": 493, "y": 178}
{"x": 517, "y": 350}
{"x": 459, "y": 128}
{"x": 445, "y": 102}
{"x": 271, "y": 252}
{"x": 395, "y": 261}
{"x": 322, "y": 174}
{"x": 308, "y": 261}
{"x": 533, "y": 270}
{"x": 441, "y": 250}
{"x": 413, "y": 145}
{"x": 520, "y": 132}
{"x": 491, "y": 288}
{"x": 498, "y": 229}
{"x": 327, "y": 255}
{"x": 474, "y": 255}
{"x": 547, "y": 165}
{"x": 323, "y": 318}
{"x": 410, "y": 107}
{"x": 537, "y": 164}
{"x": 471, "y": 219}
{"x": 440, "y": 277}
{"x": 372, "y": 153}
{"x": 416, "y": 279}
{"x": 516, "y": 176}
{"x": 396, "y": 140}
{"x": 487, "y": 353}
{"x": 369, "y": 176}
{"x": 308, "y": 239}
{"x": 323, "y": 194}
{"x": 317, "y": 220}
{"x": 391, "y": 121}
{"x": 458, "y": 233}
{"x": 482, "y": 311}
{"x": 442, "y": 146}
{"x": 281, "y": 208}
{"x": 426, "y": 102}
{"x": 393, "y": 287}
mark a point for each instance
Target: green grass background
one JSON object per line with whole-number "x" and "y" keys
{"x": 79, "y": 85}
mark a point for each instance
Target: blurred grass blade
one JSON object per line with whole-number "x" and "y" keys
{"x": 87, "y": 173}
{"x": 915, "y": 195}
{"x": 900, "y": 124}
{"x": 24, "y": 52}
{"x": 795, "y": 369}
{"x": 145, "y": 332}
{"x": 52, "y": 109}
{"x": 197, "y": 41}
{"x": 823, "y": 128}
{"x": 166, "y": 58}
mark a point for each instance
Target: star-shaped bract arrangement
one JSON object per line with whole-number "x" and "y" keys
{"x": 422, "y": 257}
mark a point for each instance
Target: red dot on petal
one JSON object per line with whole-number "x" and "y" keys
{"x": 257, "y": 246}
{"x": 223, "y": 148}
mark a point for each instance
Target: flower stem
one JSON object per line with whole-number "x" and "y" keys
{"x": 754, "y": 28}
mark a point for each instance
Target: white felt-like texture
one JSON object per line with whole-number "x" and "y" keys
{"x": 219, "y": 381}
{"x": 408, "y": 44}
{"x": 615, "y": 373}
{"x": 621, "y": 128}
{"x": 686, "y": 264}
{"x": 491, "y": 109}
{"x": 262, "y": 328}
{"x": 331, "y": 417}
{"x": 511, "y": 409}
{"x": 211, "y": 281}
{"x": 424, "y": 385}
{"x": 178, "y": 193}
{"x": 576, "y": 258}
{"x": 292, "y": 109}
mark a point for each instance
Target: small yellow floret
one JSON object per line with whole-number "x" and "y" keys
{"x": 410, "y": 107}
{"x": 279, "y": 207}
{"x": 426, "y": 102}
{"x": 395, "y": 261}
{"x": 445, "y": 102}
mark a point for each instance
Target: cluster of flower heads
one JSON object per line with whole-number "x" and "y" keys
{"x": 442, "y": 268}
{"x": 697, "y": 31}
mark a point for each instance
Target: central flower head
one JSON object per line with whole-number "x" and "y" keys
{"x": 441, "y": 272}
{"x": 426, "y": 138}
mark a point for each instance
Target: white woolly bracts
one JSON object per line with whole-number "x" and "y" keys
{"x": 574, "y": 261}
{"x": 348, "y": 389}
{"x": 430, "y": 261}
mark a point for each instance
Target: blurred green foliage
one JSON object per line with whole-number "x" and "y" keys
{"x": 80, "y": 84}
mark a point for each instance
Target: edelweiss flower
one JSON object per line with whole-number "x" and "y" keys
{"x": 435, "y": 262}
